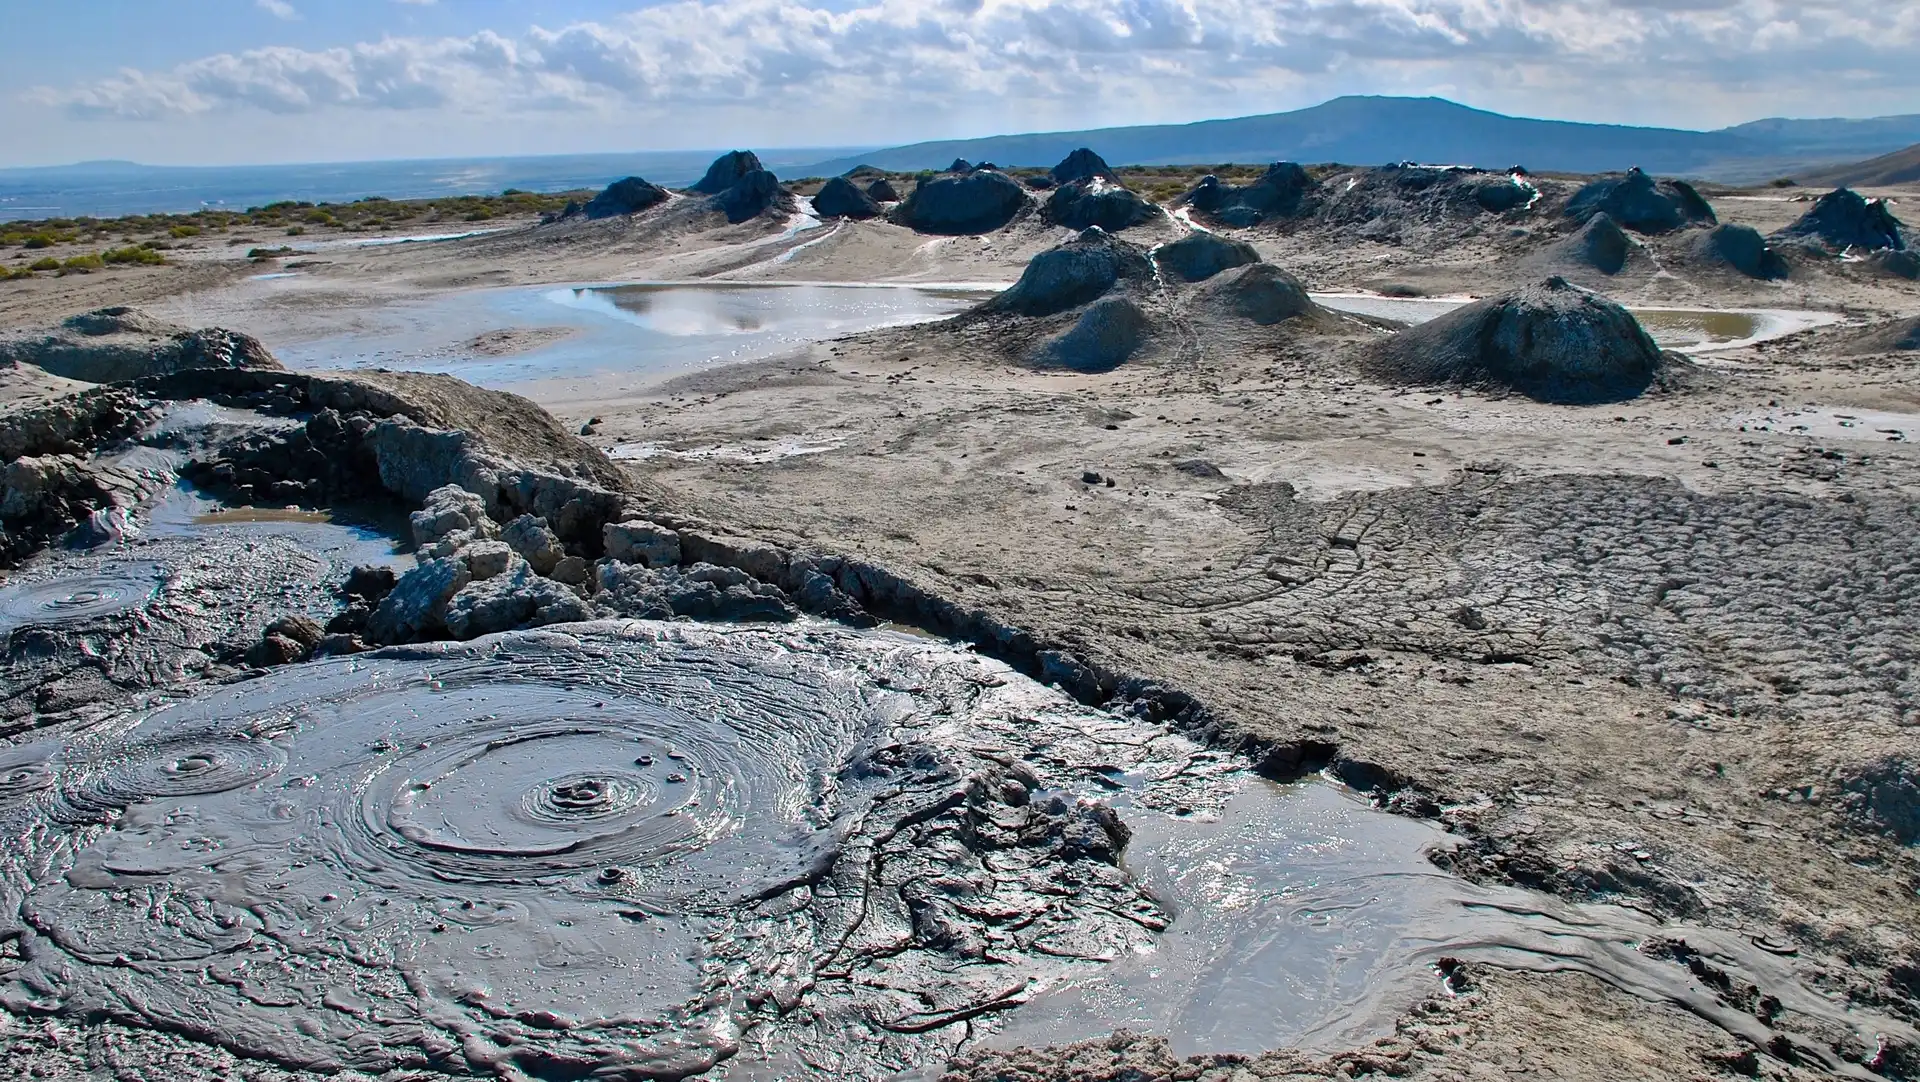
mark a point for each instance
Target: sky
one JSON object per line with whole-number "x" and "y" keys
{"x": 213, "y": 82}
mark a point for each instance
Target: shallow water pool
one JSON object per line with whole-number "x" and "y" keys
{"x": 644, "y": 328}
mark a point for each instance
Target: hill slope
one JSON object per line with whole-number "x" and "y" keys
{"x": 1899, "y": 167}
{"x": 1375, "y": 130}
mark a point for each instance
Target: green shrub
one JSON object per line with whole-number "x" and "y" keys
{"x": 320, "y": 217}
{"x": 180, "y": 232}
{"x": 269, "y": 253}
{"x": 45, "y": 264}
{"x": 145, "y": 257}
{"x": 294, "y": 230}
{"x": 480, "y": 215}
{"x": 82, "y": 264}
{"x": 38, "y": 241}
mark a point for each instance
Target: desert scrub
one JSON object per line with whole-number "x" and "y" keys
{"x": 38, "y": 241}
{"x": 46, "y": 263}
{"x": 181, "y": 232}
{"x": 296, "y": 230}
{"x": 83, "y": 264}
{"x": 268, "y": 253}
{"x": 133, "y": 256}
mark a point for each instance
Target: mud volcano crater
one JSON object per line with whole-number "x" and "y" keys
{"x": 626, "y": 850}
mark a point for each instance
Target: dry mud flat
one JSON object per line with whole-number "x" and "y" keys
{"x": 1653, "y": 654}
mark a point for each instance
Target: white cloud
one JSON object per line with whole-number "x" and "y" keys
{"x": 1026, "y": 58}
{"x": 279, "y": 9}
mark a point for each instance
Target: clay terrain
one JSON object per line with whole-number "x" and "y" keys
{"x": 1281, "y": 622}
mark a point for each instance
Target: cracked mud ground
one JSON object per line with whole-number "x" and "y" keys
{"x": 1635, "y": 654}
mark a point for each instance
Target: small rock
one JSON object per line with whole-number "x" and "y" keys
{"x": 338, "y": 644}
{"x": 450, "y": 509}
{"x": 274, "y": 650}
{"x": 571, "y": 570}
{"x": 518, "y": 598}
{"x": 642, "y": 542}
{"x": 417, "y": 607}
{"x": 534, "y": 541}
{"x": 370, "y": 582}
{"x": 1200, "y": 467}
{"x": 485, "y": 559}
{"x": 301, "y": 629}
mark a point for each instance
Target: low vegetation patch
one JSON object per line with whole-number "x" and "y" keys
{"x": 293, "y": 218}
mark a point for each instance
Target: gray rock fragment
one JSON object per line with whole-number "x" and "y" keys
{"x": 485, "y": 559}
{"x": 642, "y": 542}
{"x": 700, "y": 592}
{"x": 535, "y": 542}
{"x": 451, "y": 510}
{"x": 417, "y": 605}
{"x": 518, "y": 598}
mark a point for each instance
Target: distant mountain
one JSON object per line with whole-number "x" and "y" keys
{"x": 1377, "y": 130}
{"x": 1899, "y": 167}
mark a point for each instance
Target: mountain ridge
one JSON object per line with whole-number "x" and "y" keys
{"x": 1371, "y": 130}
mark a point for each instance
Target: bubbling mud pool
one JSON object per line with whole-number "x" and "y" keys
{"x": 639, "y": 850}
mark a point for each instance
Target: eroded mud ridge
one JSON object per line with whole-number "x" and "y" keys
{"x": 635, "y": 849}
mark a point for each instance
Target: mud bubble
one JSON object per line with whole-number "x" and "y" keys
{"x": 71, "y": 599}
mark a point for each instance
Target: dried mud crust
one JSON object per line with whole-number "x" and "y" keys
{"x": 1637, "y": 657}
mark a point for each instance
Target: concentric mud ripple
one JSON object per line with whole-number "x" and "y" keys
{"x": 80, "y": 597}
{"x": 25, "y": 770}
{"x": 498, "y": 857}
{"x": 186, "y": 765}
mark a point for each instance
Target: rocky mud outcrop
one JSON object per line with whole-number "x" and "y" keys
{"x": 1084, "y": 204}
{"x": 1554, "y": 342}
{"x": 1843, "y": 219}
{"x": 962, "y": 203}
{"x": 1284, "y": 191}
{"x": 1096, "y": 302}
{"x": 726, "y": 171}
{"x": 756, "y": 193}
{"x": 115, "y": 344}
{"x": 1395, "y": 201}
{"x": 1082, "y": 165}
{"x": 842, "y": 198}
{"x": 629, "y": 195}
{"x": 1638, "y": 202}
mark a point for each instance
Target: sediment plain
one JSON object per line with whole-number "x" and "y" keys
{"x": 939, "y": 627}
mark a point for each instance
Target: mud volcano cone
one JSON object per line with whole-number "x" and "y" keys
{"x": 629, "y": 195}
{"x": 1638, "y": 202}
{"x": 1600, "y": 244}
{"x": 728, "y": 170}
{"x": 1201, "y": 255}
{"x": 842, "y": 198}
{"x": 1072, "y": 274}
{"x": 1553, "y": 342}
{"x": 1844, "y": 219}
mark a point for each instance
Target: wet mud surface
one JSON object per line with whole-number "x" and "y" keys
{"x": 636, "y": 850}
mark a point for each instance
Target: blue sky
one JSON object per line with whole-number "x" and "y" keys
{"x": 233, "y": 81}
